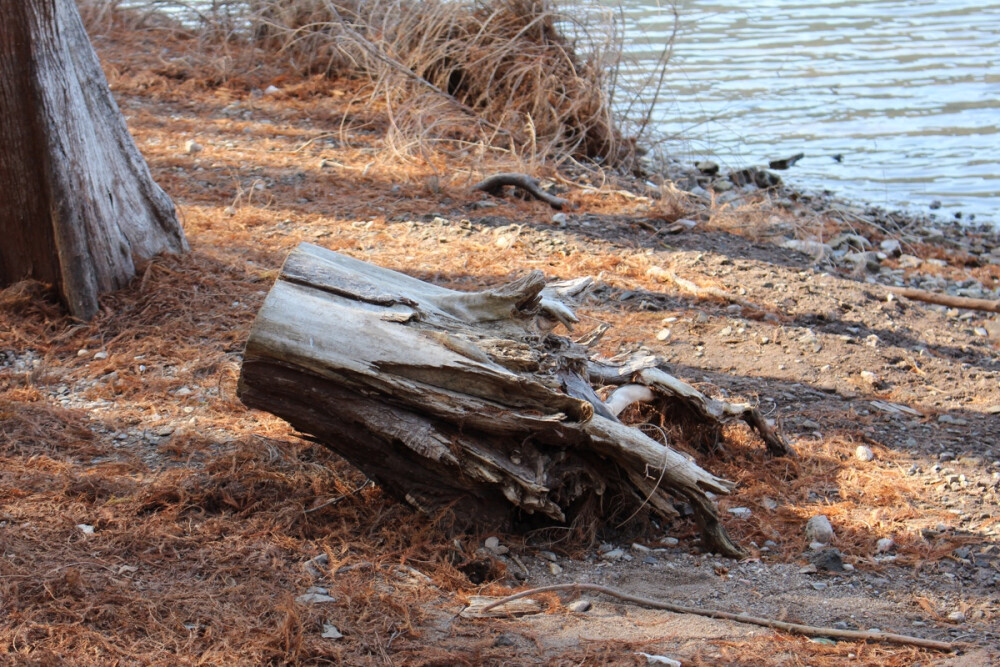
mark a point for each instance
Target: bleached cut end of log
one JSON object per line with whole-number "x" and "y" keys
{"x": 462, "y": 402}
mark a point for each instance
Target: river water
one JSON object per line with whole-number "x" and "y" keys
{"x": 905, "y": 93}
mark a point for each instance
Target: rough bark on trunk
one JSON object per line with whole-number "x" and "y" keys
{"x": 467, "y": 401}
{"x": 78, "y": 206}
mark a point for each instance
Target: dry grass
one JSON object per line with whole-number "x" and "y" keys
{"x": 520, "y": 79}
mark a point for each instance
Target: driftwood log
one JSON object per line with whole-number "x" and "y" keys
{"x": 468, "y": 402}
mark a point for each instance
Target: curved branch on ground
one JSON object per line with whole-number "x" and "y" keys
{"x": 796, "y": 628}
{"x": 495, "y": 184}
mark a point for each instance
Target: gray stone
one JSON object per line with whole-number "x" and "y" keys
{"x": 819, "y": 529}
{"x": 330, "y": 631}
{"x": 891, "y": 247}
{"x": 707, "y": 167}
{"x": 827, "y": 559}
{"x": 580, "y": 606}
{"x": 864, "y": 453}
{"x": 885, "y": 545}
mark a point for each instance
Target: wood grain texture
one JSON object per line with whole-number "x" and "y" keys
{"x": 76, "y": 197}
{"x": 464, "y": 401}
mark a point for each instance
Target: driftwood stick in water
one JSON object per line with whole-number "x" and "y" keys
{"x": 946, "y": 299}
{"x": 796, "y": 628}
{"x": 494, "y": 184}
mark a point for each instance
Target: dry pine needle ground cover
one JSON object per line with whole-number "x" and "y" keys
{"x": 148, "y": 518}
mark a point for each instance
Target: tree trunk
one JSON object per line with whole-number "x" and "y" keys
{"x": 466, "y": 401}
{"x": 78, "y": 206}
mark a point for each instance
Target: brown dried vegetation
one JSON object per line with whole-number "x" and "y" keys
{"x": 204, "y": 514}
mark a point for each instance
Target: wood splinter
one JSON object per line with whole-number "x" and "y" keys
{"x": 494, "y": 186}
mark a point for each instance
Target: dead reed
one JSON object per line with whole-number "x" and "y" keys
{"x": 521, "y": 79}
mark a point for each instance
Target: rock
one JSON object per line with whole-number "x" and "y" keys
{"x": 580, "y": 606}
{"x": 101, "y": 355}
{"x": 707, "y": 167}
{"x": 819, "y": 585}
{"x": 868, "y": 260}
{"x": 891, "y": 247}
{"x": 740, "y": 512}
{"x": 827, "y": 559}
{"x": 548, "y": 555}
{"x": 272, "y": 90}
{"x": 864, "y": 453}
{"x": 330, "y": 631}
{"x": 613, "y": 555}
{"x": 884, "y": 545}
{"x": 870, "y": 379}
{"x": 722, "y": 186}
{"x": 761, "y": 178}
{"x": 847, "y": 240}
{"x": 670, "y": 541}
{"x": 659, "y": 660}
{"x": 909, "y": 262}
{"x": 555, "y": 569}
{"x": 785, "y": 163}
{"x": 560, "y": 219}
{"x": 948, "y": 419}
{"x": 493, "y": 545}
{"x": 315, "y": 595}
{"x": 85, "y": 528}
{"x": 819, "y": 529}
{"x": 663, "y": 334}
{"x": 315, "y": 565}
{"x": 956, "y": 617}
{"x": 934, "y": 205}
{"x": 817, "y": 250}
{"x": 191, "y": 147}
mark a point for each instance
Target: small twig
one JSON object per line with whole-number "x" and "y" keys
{"x": 797, "y": 628}
{"x": 946, "y": 299}
{"x": 494, "y": 184}
{"x": 697, "y": 290}
{"x": 334, "y": 501}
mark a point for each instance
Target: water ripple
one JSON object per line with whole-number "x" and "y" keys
{"x": 906, "y": 92}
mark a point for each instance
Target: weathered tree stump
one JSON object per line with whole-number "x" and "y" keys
{"x": 78, "y": 206}
{"x": 467, "y": 401}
